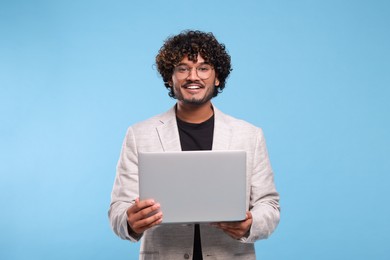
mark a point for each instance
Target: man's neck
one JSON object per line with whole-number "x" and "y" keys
{"x": 194, "y": 113}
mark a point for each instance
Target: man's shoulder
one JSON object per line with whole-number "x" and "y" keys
{"x": 154, "y": 121}
{"x": 235, "y": 122}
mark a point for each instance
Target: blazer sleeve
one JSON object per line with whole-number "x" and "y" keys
{"x": 125, "y": 189}
{"x": 264, "y": 199}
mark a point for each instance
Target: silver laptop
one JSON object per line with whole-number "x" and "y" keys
{"x": 195, "y": 186}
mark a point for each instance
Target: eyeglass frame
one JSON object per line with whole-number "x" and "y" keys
{"x": 189, "y": 69}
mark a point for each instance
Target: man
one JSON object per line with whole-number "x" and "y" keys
{"x": 194, "y": 67}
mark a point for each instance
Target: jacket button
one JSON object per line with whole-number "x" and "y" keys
{"x": 186, "y": 256}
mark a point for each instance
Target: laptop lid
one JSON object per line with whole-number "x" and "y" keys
{"x": 195, "y": 186}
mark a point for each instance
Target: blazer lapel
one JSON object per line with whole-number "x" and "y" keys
{"x": 168, "y": 132}
{"x": 222, "y": 132}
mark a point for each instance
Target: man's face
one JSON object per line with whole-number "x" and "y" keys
{"x": 194, "y": 83}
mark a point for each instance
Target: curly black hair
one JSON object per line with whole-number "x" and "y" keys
{"x": 191, "y": 43}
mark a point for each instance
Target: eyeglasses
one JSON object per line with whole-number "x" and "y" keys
{"x": 203, "y": 71}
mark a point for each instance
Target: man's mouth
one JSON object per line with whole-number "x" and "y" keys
{"x": 193, "y": 86}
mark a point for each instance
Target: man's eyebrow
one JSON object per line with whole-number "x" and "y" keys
{"x": 185, "y": 64}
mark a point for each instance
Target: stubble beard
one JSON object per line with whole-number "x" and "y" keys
{"x": 194, "y": 101}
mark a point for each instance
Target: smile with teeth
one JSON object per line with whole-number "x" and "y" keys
{"x": 192, "y": 87}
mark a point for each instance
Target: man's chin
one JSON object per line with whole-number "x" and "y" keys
{"x": 195, "y": 102}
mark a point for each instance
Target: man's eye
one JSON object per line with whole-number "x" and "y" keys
{"x": 203, "y": 69}
{"x": 181, "y": 69}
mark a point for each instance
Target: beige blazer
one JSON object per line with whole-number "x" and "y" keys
{"x": 175, "y": 241}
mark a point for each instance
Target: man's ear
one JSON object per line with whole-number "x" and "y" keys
{"x": 216, "y": 82}
{"x": 170, "y": 83}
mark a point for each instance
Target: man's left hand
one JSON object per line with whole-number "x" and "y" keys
{"x": 236, "y": 229}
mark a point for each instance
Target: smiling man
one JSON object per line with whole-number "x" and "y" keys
{"x": 194, "y": 67}
{"x": 194, "y": 81}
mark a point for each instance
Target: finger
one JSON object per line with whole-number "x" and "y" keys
{"x": 234, "y": 224}
{"x": 233, "y": 234}
{"x": 144, "y": 224}
{"x": 239, "y": 229}
{"x": 148, "y": 211}
{"x": 144, "y": 213}
{"x": 140, "y": 205}
{"x": 230, "y": 225}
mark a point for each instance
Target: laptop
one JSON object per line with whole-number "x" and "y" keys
{"x": 195, "y": 186}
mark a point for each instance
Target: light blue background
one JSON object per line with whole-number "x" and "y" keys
{"x": 313, "y": 74}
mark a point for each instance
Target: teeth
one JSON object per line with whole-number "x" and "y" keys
{"x": 193, "y": 87}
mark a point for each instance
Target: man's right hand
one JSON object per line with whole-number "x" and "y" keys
{"x": 140, "y": 216}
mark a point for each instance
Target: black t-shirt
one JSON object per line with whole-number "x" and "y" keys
{"x": 196, "y": 137}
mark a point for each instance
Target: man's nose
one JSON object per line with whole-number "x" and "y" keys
{"x": 193, "y": 74}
